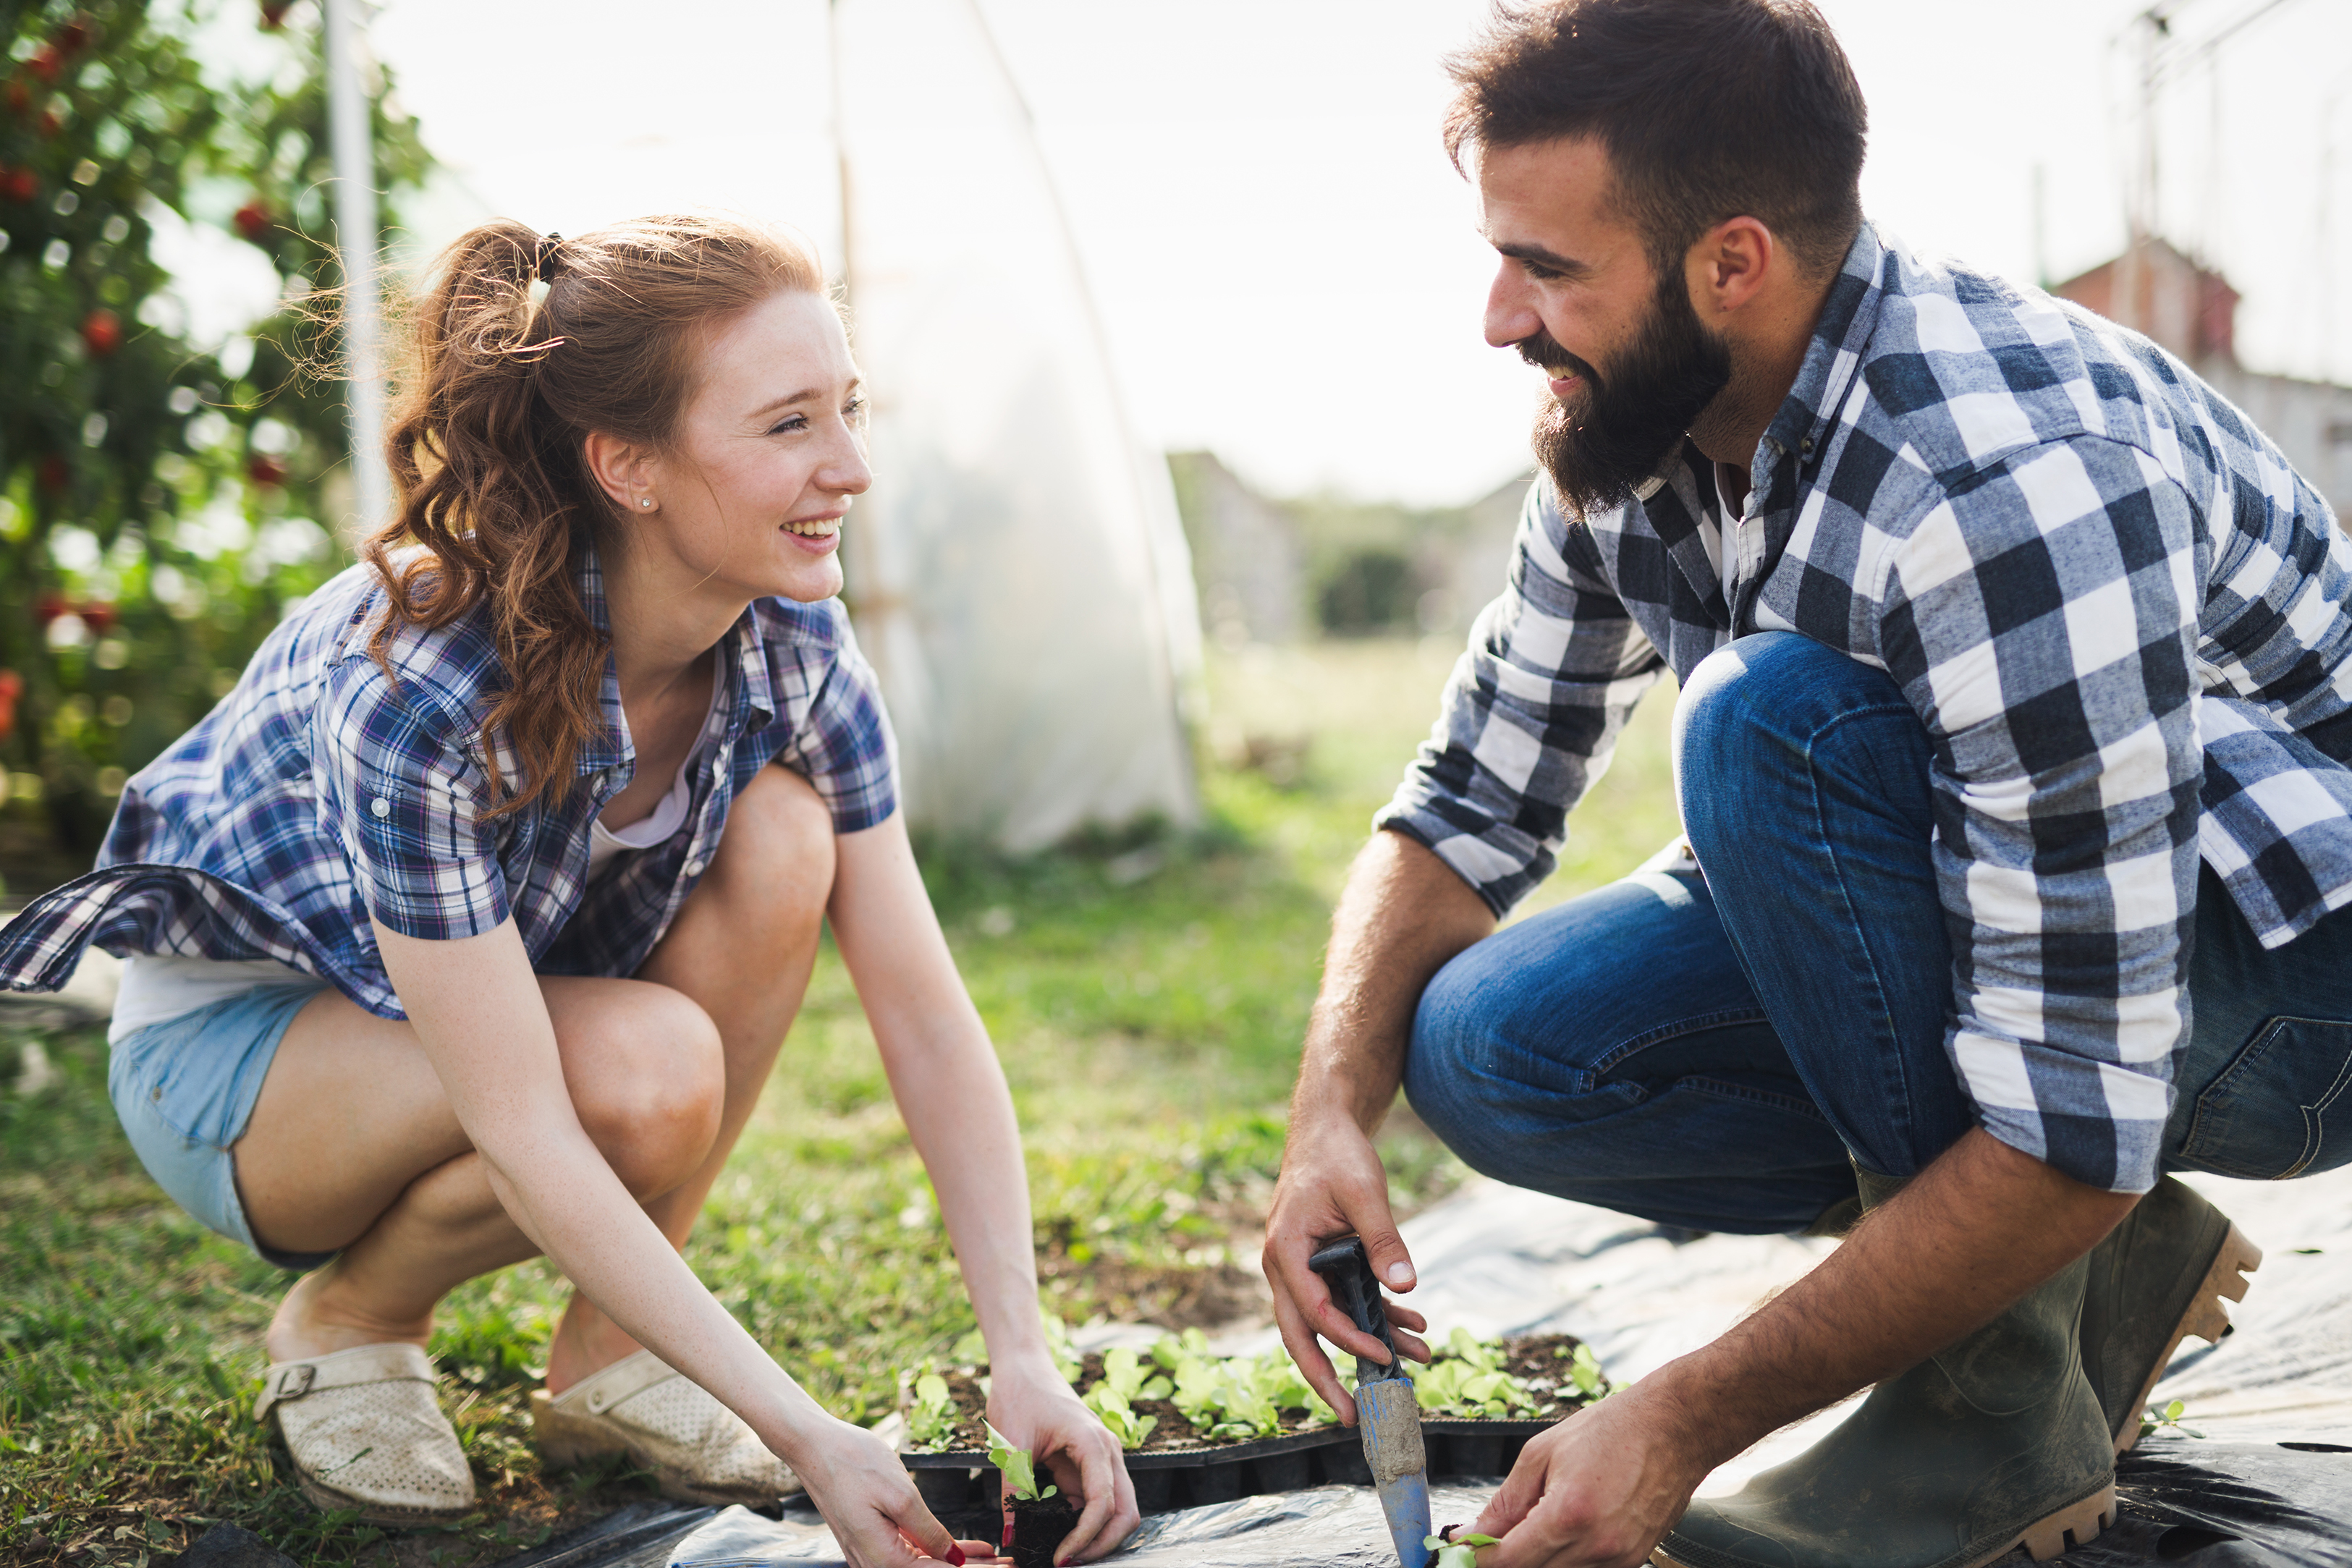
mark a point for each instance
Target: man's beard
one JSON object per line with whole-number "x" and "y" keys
{"x": 1613, "y": 434}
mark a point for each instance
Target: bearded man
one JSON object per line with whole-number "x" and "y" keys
{"x": 1992, "y": 622}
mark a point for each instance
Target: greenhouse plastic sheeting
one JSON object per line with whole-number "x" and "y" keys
{"x": 2268, "y": 1486}
{"x": 1018, "y": 573}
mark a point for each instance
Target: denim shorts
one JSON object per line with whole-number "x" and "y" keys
{"x": 185, "y": 1090}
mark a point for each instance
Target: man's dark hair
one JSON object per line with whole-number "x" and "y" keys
{"x": 1708, "y": 109}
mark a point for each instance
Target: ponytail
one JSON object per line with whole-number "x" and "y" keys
{"x": 486, "y": 447}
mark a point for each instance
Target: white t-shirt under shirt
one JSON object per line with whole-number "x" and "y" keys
{"x": 157, "y": 987}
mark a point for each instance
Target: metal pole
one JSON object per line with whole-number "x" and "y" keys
{"x": 348, "y": 113}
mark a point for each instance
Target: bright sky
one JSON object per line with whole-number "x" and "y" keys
{"x": 1283, "y": 258}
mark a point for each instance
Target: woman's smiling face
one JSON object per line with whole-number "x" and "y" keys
{"x": 768, "y": 449}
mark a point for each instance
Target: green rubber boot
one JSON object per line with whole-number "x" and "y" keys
{"x": 1994, "y": 1443}
{"x": 2157, "y": 1278}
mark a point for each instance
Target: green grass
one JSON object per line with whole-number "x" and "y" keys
{"x": 1147, "y": 998}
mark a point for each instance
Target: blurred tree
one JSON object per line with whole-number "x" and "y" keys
{"x": 159, "y": 499}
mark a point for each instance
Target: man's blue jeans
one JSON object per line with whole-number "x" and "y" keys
{"x": 1706, "y": 1053}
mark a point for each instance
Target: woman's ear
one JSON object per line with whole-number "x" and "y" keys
{"x": 624, "y": 470}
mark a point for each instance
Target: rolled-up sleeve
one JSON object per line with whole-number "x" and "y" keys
{"x": 2043, "y": 620}
{"x": 399, "y": 789}
{"x": 1530, "y": 716}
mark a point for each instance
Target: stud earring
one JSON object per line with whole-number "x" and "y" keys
{"x": 647, "y": 502}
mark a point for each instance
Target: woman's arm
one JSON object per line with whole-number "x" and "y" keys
{"x": 945, "y": 1077}
{"x": 477, "y": 1012}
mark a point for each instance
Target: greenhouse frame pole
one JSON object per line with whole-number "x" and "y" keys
{"x": 348, "y": 117}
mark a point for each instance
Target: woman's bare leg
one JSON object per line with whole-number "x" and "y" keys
{"x": 352, "y": 1145}
{"x": 742, "y": 947}
{"x": 352, "y": 1142}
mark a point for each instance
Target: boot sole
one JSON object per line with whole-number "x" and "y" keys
{"x": 2076, "y": 1524}
{"x": 2206, "y": 1318}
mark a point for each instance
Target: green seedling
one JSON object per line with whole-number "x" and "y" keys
{"x": 1117, "y": 1414}
{"x": 2153, "y": 1420}
{"x": 1461, "y": 1387}
{"x": 1124, "y": 1380}
{"x": 1124, "y": 1370}
{"x": 1020, "y": 1469}
{"x": 931, "y": 1423}
{"x": 1584, "y": 1371}
{"x": 1461, "y": 1554}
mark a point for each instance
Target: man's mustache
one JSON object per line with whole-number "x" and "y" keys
{"x": 1542, "y": 350}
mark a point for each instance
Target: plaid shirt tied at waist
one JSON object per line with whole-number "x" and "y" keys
{"x": 320, "y": 793}
{"x": 2119, "y": 613}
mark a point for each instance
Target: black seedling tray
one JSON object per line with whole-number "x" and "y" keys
{"x": 961, "y": 1480}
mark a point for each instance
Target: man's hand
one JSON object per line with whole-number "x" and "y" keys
{"x": 1332, "y": 1184}
{"x": 1403, "y": 914}
{"x": 1599, "y": 1489}
{"x": 1981, "y": 1226}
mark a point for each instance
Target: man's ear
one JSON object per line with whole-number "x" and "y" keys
{"x": 623, "y": 470}
{"x": 1729, "y": 266}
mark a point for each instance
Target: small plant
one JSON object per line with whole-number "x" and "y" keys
{"x": 1584, "y": 1371}
{"x": 931, "y": 1423}
{"x": 1461, "y": 1554}
{"x": 1467, "y": 1377}
{"x": 1020, "y": 1469}
{"x": 2152, "y": 1420}
{"x": 1124, "y": 1380}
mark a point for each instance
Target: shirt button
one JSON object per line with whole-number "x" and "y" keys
{"x": 380, "y": 807}
{"x": 694, "y": 867}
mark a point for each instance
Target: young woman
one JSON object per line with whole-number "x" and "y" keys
{"x": 467, "y": 926}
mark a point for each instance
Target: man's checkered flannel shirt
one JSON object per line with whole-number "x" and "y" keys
{"x": 320, "y": 793}
{"x": 2119, "y": 613}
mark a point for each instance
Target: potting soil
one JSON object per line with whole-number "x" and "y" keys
{"x": 2267, "y": 1485}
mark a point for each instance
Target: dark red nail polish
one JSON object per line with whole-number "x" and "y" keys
{"x": 955, "y": 1557}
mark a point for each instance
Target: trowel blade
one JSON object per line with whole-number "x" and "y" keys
{"x": 1404, "y": 1503}
{"x": 1393, "y": 1446}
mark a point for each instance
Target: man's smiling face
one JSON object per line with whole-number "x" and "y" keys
{"x": 1627, "y": 364}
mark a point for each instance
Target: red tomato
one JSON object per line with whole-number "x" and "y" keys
{"x": 103, "y": 331}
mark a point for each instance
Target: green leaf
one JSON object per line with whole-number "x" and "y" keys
{"x": 1020, "y": 1469}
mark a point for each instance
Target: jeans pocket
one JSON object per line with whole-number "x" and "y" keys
{"x": 2268, "y": 1116}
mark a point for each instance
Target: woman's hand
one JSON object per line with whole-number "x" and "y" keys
{"x": 864, "y": 1491}
{"x": 1034, "y": 1405}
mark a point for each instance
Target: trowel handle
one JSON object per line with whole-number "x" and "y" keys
{"x": 1349, "y": 1271}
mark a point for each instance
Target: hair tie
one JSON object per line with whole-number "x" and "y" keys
{"x": 547, "y": 259}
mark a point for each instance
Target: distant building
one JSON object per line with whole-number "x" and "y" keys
{"x": 2190, "y": 310}
{"x": 1246, "y": 555}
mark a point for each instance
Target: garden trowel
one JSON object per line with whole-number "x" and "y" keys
{"x": 1386, "y": 1412}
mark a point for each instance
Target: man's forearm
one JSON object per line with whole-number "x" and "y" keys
{"x": 1403, "y": 914}
{"x": 1981, "y": 1226}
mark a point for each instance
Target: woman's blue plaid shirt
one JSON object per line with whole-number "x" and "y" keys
{"x": 320, "y": 793}
{"x": 2120, "y": 615}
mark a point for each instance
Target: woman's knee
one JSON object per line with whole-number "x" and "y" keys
{"x": 648, "y": 1080}
{"x": 775, "y": 862}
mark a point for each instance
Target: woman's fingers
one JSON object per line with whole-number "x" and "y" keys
{"x": 1110, "y": 1512}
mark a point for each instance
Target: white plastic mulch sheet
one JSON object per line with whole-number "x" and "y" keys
{"x": 1498, "y": 1261}
{"x": 1327, "y": 1527}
